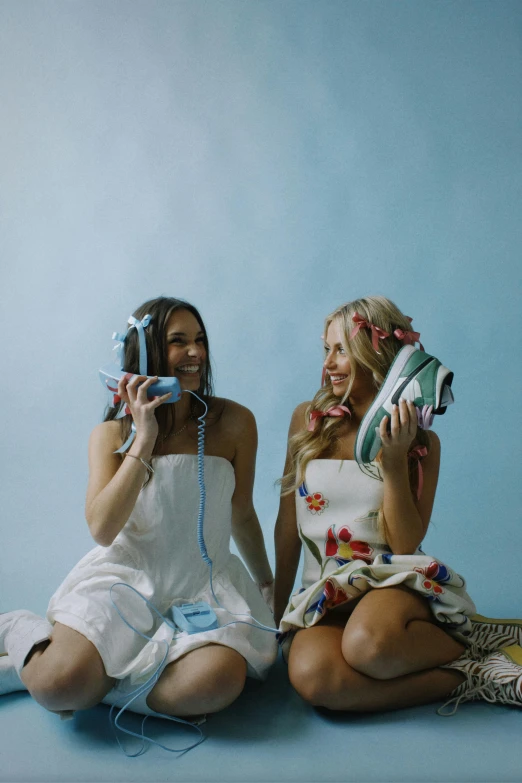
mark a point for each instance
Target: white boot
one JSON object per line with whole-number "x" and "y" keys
{"x": 9, "y": 679}
{"x": 490, "y": 633}
{"x": 19, "y": 632}
{"x": 496, "y": 678}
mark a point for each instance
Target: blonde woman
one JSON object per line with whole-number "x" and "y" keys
{"x": 377, "y": 624}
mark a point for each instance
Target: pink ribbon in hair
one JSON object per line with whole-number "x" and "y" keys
{"x": 377, "y": 333}
{"x": 418, "y": 453}
{"x": 407, "y": 337}
{"x": 336, "y": 411}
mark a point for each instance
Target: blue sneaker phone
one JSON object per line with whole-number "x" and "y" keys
{"x": 194, "y": 618}
{"x": 110, "y": 374}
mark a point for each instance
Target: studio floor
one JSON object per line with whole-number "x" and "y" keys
{"x": 269, "y": 734}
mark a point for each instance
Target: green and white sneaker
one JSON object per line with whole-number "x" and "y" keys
{"x": 413, "y": 375}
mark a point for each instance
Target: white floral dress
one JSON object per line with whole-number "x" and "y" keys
{"x": 345, "y": 555}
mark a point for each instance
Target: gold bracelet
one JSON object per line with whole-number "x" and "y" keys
{"x": 149, "y": 467}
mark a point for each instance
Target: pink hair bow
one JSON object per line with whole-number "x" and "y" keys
{"x": 407, "y": 337}
{"x": 377, "y": 333}
{"x": 336, "y": 411}
{"x": 418, "y": 453}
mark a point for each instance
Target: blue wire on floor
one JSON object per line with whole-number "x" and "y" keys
{"x": 146, "y": 686}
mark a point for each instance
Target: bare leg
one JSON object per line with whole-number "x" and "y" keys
{"x": 321, "y": 675}
{"x": 391, "y": 632}
{"x": 207, "y": 679}
{"x": 66, "y": 672}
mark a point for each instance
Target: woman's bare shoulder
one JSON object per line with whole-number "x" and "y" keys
{"x": 233, "y": 414}
{"x": 298, "y": 419}
{"x": 106, "y": 436}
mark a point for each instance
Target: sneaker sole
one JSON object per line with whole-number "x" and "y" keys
{"x": 514, "y": 653}
{"x": 480, "y": 618}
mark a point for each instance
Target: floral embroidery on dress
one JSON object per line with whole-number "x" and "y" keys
{"x": 434, "y": 573}
{"x": 332, "y": 596}
{"x": 343, "y": 561}
{"x": 315, "y": 501}
{"x": 342, "y": 548}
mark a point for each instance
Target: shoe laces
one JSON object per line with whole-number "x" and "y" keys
{"x": 469, "y": 692}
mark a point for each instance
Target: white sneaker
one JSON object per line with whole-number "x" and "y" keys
{"x": 9, "y": 679}
{"x": 496, "y": 678}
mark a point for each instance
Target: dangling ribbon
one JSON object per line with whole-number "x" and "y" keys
{"x": 408, "y": 337}
{"x": 377, "y": 333}
{"x": 417, "y": 454}
{"x": 425, "y": 416}
{"x": 337, "y": 411}
{"x": 119, "y": 347}
{"x": 140, "y": 326}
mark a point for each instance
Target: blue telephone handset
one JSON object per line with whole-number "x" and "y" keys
{"x": 110, "y": 374}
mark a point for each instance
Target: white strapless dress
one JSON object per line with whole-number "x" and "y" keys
{"x": 157, "y": 553}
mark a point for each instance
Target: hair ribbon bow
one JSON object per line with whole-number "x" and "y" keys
{"x": 408, "y": 337}
{"x": 377, "y": 333}
{"x": 337, "y": 411}
{"x": 140, "y": 326}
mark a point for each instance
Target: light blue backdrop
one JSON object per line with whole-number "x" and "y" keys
{"x": 268, "y": 161}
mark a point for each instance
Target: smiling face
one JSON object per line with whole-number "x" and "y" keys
{"x": 340, "y": 368}
{"x": 186, "y": 351}
{"x": 336, "y": 361}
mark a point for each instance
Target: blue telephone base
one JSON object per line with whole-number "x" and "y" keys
{"x": 195, "y": 618}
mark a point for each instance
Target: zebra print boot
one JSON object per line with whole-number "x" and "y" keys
{"x": 489, "y": 634}
{"x": 496, "y": 678}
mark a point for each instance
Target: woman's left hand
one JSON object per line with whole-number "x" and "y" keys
{"x": 267, "y": 591}
{"x": 403, "y": 428}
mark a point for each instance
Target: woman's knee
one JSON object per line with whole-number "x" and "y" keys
{"x": 188, "y": 687}
{"x": 60, "y": 684}
{"x": 316, "y": 666}
{"x": 370, "y": 649}
{"x": 311, "y": 679}
{"x": 332, "y": 685}
{"x": 225, "y": 684}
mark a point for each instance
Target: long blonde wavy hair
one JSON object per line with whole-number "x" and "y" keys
{"x": 305, "y": 445}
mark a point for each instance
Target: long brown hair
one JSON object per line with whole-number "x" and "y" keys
{"x": 160, "y": 310}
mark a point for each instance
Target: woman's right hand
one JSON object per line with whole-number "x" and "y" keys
{"x": 133, "y": 391}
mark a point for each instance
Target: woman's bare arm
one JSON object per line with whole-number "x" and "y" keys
{"x": 406, "y": 518}
{"x": 114, "y": 486}
{"x": 287, "y": 541}
{"x": 246, "y": 529}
